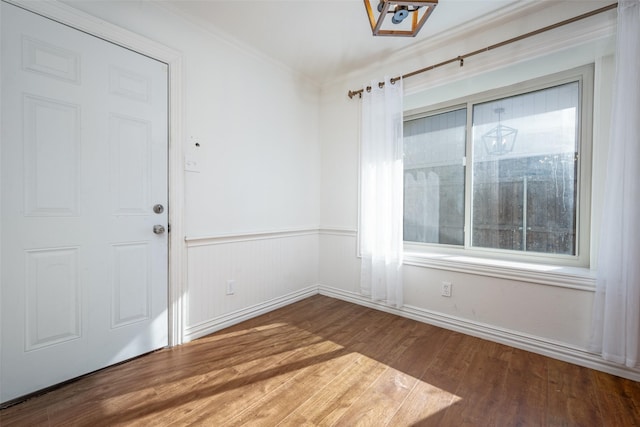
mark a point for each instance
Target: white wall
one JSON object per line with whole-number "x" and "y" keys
{"x": 548, "y": 316}
{"x": 259, "y": 157}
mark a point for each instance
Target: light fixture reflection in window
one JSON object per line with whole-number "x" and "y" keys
{"x": 501, "y": 139}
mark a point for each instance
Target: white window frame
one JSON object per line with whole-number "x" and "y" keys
{"x": 506, "y": 263}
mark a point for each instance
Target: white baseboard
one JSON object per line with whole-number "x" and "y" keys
{"x": 213, "y": 325}
{"x": 511, "y": 338}
{"x": 519, "y": 340}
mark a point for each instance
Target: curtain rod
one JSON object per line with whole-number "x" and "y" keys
{"x": 461, "y": 58}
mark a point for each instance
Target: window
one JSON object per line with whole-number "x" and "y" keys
{"x": 500, "y": 174}
{"x": 434, "y": 147}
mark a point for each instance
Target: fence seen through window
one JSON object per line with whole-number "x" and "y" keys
{"x": 520, "y": 161}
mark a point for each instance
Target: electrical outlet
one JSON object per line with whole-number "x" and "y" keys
{"x": 445, "y": 291}
{"x": 231, "y": 287}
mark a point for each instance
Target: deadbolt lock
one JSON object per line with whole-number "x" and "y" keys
{"x": 158, "y": 208}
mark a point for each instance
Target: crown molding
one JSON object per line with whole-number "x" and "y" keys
{"x": 492, "y": 29}
{"x": 542, "y": 45}
{"x": 230, "y": 40}
{"x": 512, "y": 12}
{"x": 482, "y": 25}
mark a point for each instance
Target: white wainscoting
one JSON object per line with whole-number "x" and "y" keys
{"x": 270, "y": 270}
{"x": 274, "y": 269}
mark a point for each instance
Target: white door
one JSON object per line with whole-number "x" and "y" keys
{"x": 83, "y": 163}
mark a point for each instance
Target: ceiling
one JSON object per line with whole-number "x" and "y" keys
{"x": 322, "y": 39}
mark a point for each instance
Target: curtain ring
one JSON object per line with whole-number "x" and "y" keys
{"x": 380, "y": 85}
{"x": 368, "y": 88}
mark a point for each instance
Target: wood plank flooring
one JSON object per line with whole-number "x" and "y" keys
{"x": 325, "y": 362}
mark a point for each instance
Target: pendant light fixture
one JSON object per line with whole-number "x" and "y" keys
{"x": 501, "y": 139}
{"x": 416, "y": 11}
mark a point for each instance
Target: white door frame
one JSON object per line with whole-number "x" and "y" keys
{"x": 177, "y": 247}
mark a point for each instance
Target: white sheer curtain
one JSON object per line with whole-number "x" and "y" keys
{"x": 616, "y": 328}
{"x": 381, "y": 173}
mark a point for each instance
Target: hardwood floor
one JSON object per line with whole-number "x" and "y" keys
{"x": 323, "y": 361}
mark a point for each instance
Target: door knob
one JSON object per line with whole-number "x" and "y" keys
{"x": 158, "y": 229}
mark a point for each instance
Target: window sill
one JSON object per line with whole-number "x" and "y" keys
{"x": 552, "y": 275}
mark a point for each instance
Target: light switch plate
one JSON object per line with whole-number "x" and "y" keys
{"x": 191, "y": 163}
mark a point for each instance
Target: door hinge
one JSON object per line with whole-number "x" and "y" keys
{"x": 168, "y": 228}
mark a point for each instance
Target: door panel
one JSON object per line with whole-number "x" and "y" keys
{"x": 51, "y": 157}
{"x": 130, "y": 301}
{"x": 84, "y": 160}
{"x": 53, "y": 297}
{"x": 129, "y": 146}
